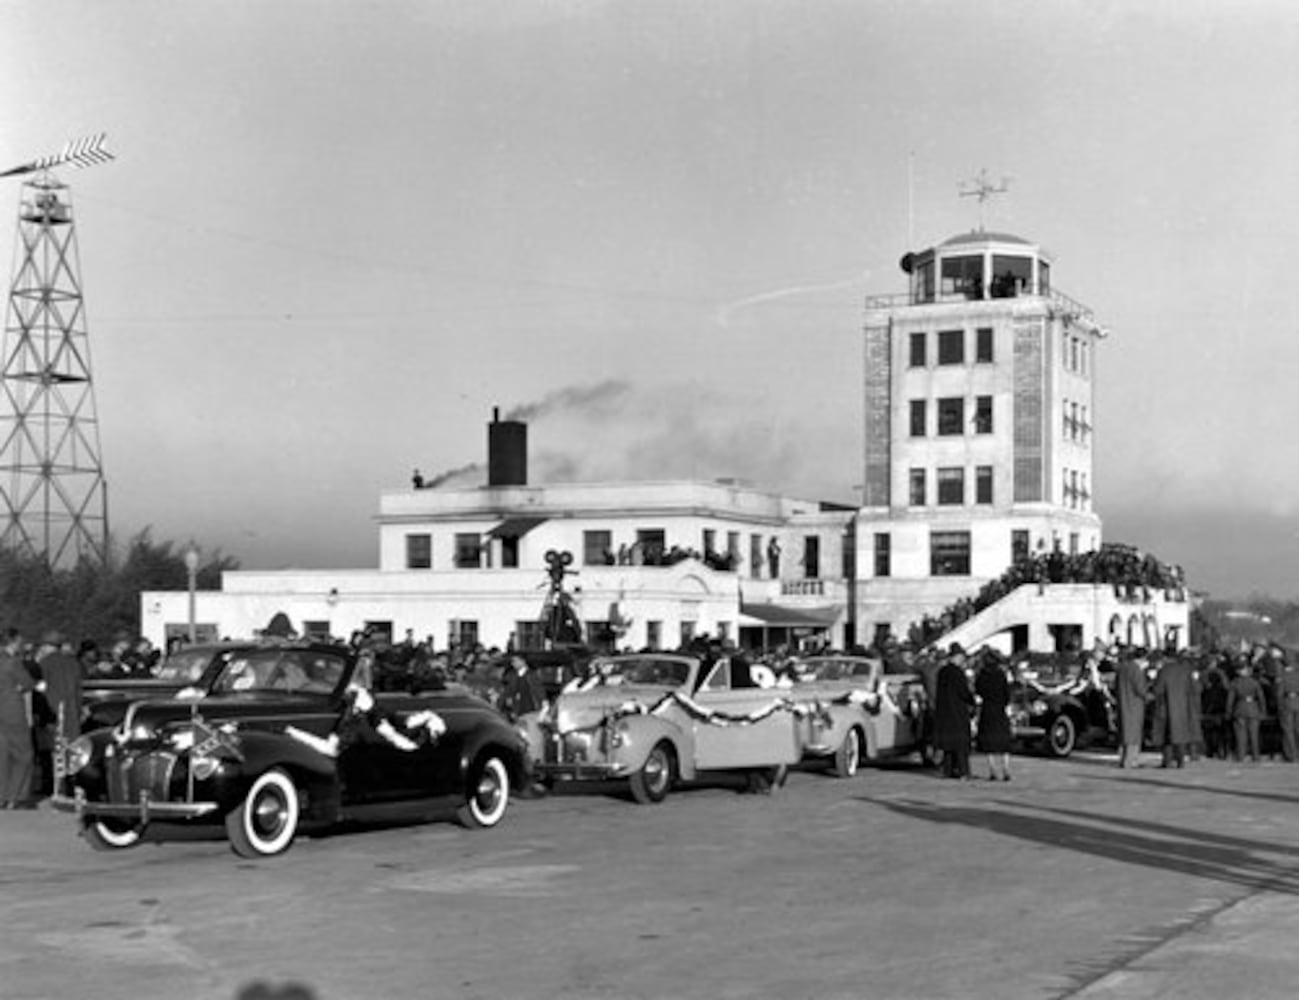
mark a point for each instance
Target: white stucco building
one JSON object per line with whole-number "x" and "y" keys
{"x": 979, "y": 404}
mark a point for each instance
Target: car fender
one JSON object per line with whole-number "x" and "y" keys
{"x": 257, "y": 752}
{"x": 517, "y": 749}
{"x": 639, "y": 734}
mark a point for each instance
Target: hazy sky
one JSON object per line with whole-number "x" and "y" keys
{"x": 337, "y": 234}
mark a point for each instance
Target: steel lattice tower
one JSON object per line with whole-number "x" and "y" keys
{"x": 52, "y": 485}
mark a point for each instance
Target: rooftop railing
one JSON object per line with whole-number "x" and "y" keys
{"x": 901, "y": 300}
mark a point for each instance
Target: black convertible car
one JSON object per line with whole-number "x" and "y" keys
{"x": 1058, "y": 707}
{"x": 261, "y": 753}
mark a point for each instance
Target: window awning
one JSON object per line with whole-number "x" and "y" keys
{"x": 776, "y": 616}
{"x": 516, "y": 527}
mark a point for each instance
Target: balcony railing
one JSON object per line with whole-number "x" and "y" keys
{"x": 900, "y": 300}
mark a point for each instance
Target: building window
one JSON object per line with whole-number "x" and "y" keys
{"x": 883, "y": 554}
{"x": 951, "y": 486}
{"x": 1019, "y": 546}
{"x": 951, "y": 416}
{"x": 529, "y": 635}
{"x": 598, "y": 634}
{"x": 597, "y": 548}
{"x": 469, "y": 551}
{"x": 918, "y": 352}
{"x": 710, "y": 541}
{"x": 917, "y": 496}
{"x": 811, "y": 557}
{"x": 462, "y": 634}
{"x": 316, "y": 629}
{"x": 687, "y": 634}
{"x": 419, "y": 551}
{"x": 1073, "y": 543}
{"x": 918, "y": 408}
{"x": 1084, "y": 495}
{"x": 982, "y": 414}
{"x": 652, "y": 543}
{"x": 654, "y": 634}
{"x": 951, "y": 347}
{"x": 510, "y": 552}
{"x": 755, "y": 556}
{"x": 379, "y": 629}
{"x": 983, "y": 345}
{"x": 733, "y": 548}
{"x": 1084, "y": 427}
{"x": 1073, "y": 354}
{"x": 983, "y": 484}
{"x": 963, "y": 276}
{"x": 949, "y": 553}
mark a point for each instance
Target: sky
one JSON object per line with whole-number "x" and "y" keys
{"x": 337, "y": 235}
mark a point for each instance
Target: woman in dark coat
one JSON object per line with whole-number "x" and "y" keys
{"x": 953, "y": 703}
{"x": 992, "y": 688}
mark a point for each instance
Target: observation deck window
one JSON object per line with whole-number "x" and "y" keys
{"x": 1011, "y": 276}
{"x": 963, "y": 276}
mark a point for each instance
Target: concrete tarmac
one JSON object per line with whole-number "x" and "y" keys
{"x": 1076, "y": 879}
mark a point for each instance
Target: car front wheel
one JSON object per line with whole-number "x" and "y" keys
{"x": 848, "y": 757}
{"x": 654, "y": 779}
{"x": 487, "y": 795}
{"x": 1061, "y": 737}
{"x": 266, "y": 821}
{"x": 111, "y": 834}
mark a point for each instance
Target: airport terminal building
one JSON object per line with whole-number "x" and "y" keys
{"x": 978, "y": 444}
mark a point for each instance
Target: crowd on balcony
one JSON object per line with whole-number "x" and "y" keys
{"x": 1133, "y": 575}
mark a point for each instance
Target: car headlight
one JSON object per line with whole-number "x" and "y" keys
{"x": 618, "y": 734}
{"x": 79, "y": 753}
{"x": 1038, "y": 708}
{"x": 204, "y": 767}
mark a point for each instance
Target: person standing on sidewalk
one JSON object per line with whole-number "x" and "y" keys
{"x": 953, "y": 706}
{"x": 16, "y": 752}
{"x": 1287, "y": 706}
{"x": 1245, "y": 708}
{"x": 1130, "y": 689}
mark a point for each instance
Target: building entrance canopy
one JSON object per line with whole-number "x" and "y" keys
{"x": 516, "y": 527}
{"x": 776, "y": 616}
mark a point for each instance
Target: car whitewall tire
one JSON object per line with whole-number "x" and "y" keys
{"x": 266, "y": 821}
{"x": 104, "y": 835}
{"x": 487, "y": 796}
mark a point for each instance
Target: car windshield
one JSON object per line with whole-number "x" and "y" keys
{"x": 835, "y": 670}
{"x": 185, "y": 666}
{"x": 281, "y": 670}
{"x": 643, "y": 670}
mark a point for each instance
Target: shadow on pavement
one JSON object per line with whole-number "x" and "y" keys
{"x": 1129, "y": 777}
{"x": 1189, "y": 852}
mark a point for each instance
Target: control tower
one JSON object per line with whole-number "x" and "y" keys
{"x": 979, "y": 409}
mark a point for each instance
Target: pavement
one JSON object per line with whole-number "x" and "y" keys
{"x": 1077, "y": 879}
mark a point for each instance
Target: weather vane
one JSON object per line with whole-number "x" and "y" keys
{"x": 983, "y": 189}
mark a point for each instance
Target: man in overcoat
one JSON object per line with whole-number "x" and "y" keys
{"x": 16, "y": 752}
{"x": 1130, "y": 690}
{"x": 1174, "y": 688}
{"x": 953, "y": 705}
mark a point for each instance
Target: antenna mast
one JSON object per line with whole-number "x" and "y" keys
{"x": 53, "y": 495}
{"x": 983, "y": 189}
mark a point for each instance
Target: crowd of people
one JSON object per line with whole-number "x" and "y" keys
{"x": 1131, "y": 573}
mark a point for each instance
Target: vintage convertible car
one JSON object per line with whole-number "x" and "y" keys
{"x": 1059, "y": 706}
{"x": 857, "y": 711}
{"x": 656, "y": 718}
{"x": 255, "y": 754}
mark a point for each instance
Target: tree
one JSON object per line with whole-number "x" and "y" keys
{"x": 92, "y": 600}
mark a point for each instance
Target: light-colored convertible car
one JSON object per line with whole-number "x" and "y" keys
{"x": 659, "y": 718}
{"x": 856, "y": 711}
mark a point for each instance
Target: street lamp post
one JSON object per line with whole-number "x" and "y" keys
{"x": 191, "y": 567}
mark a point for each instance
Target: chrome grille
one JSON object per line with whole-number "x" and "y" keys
{"x": 151, "y": 773}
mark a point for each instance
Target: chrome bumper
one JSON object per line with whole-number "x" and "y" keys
{"x": 144, "y": 810}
